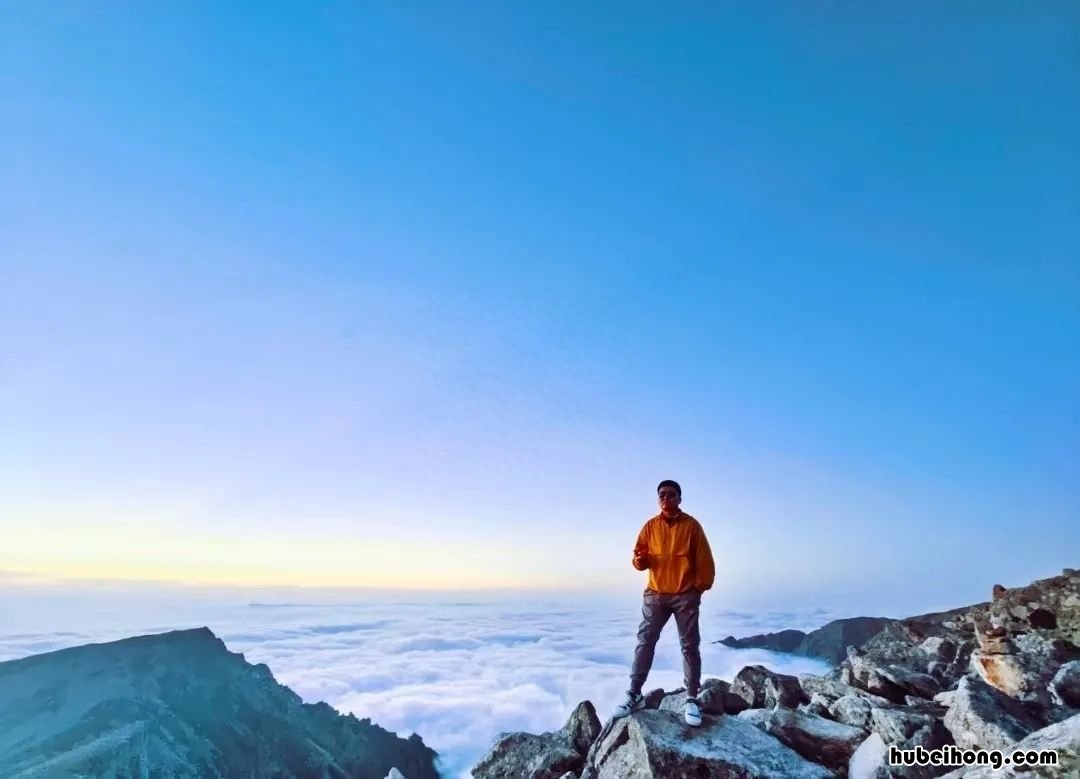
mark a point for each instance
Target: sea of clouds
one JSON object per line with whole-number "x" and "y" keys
{"x": 456, "y": 669}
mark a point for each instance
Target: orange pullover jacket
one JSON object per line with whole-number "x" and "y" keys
{"x": 676, "y": 554}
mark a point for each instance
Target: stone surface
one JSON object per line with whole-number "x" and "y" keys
{"x": 749, "y": 684}
{"x": 543, "y": 756}
{"x": 815, "y": 738}
{"x": 658, "y": 745}
{"x": 852, "y": 710}
{"x": 985, "y": 718}
{"x": 1064, "y": 737}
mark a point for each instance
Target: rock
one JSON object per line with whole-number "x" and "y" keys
{"x": 749, "y": 684}
{"x": 716, "y": 698}
{"x": 910, "y": 682}
{"x": 755, "y": 717}
{"x": 544, "y": 756}
{"x": 1023, "y": 665}
{"x": 785, "y": 691}
{"x": 395, "y": 774}
{"x": 909, "y": 729}
{"x": 852, "y": 710}
{"x": 982, "y": 717}
{"x": 1065, "y": 686}
{"x": 939, "y": 648}
{"x": 1063, "y": 737}
{"x": 657, "y": 745}
{"x": 818, "y": 739}
{"x": 582, "y": 728}
{"x": 945, "y": 698}
{"x": 569, "y": 775}
{"x": 673, "y": 702}
{"x": 818, "y": 705}
{"x": 653, "y": 699}
{"x": 869, "y": 760}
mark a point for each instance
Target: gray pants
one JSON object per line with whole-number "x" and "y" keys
{"x": 656, "y": 609}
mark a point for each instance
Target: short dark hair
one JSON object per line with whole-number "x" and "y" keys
{"x": 669, "y": 483}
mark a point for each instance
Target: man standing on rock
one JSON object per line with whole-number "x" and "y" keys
{"x": 673, "y": 548}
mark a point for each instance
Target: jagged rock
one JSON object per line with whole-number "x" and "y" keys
{"x": 654, "y": 697}
{"x": 1064, "y": 737}
{"x": 180, "y": 704}
{"x": 983, "y": 717}
{"x": 750, "y": 685}
{"x": 909, "y": 729}
{"x": 815, "y": 738}
{"x": 785, "y": 691}
{"x": 395, "y": 774}
{"x": 716, "y": 698}
{"x": 544, "y": 756}
{"x": 939, "y": 648}
{"x": 673, "y": 701}
{"x": 1027, "y": 665}
{"x": 582, "y": 728}
{"x": 818, "y": 705}
{"x": 1065, "y": 686}
{"x": 852, "y": 710}
{"x": 658, "y": 745}
{"x": 912, "y": 683}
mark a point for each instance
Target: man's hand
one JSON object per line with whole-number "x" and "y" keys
{"x": 641, "y": 561}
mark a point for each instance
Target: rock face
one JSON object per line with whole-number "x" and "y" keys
{"x": 997, "y": 675}
{"x": 829, "y": 642}
{"x": 181, "y": 704}
{"x": 546, "y": 756}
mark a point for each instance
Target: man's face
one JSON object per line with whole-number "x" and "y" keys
{"x": 669, "y": 500}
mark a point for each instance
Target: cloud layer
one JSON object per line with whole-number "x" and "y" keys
{"x": 458, "y": 671}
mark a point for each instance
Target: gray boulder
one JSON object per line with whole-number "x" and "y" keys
{"x": 750, "y": 685}
{"x": 852, "y": 710}
{"x": 1063, "y": 737}
{"x": 983, "y": 717}
{"x": 658, "y": 745}
{"x": 816, "y": 738}
{"x": 543, "y": 756}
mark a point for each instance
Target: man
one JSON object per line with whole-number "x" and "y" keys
{"x": 673, "y": 548}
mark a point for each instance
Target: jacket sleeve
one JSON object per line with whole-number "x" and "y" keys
{"x": 641, "y": 549}
{"x": 704, "y": 567}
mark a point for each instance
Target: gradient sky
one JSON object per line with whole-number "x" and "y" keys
{"x": 392, "y": 295}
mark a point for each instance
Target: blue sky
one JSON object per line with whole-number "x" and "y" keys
{"x": 394, "y": 296}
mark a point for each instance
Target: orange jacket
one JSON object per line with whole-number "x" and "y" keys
{"x": 676, "y": 553}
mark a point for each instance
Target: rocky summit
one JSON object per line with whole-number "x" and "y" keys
{"x": 180, "y": 704}
{"x": 1003, "y": 674}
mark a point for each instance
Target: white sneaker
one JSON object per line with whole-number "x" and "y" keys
{"x": 693, "y": 713}
{"x": 631, "y": 704}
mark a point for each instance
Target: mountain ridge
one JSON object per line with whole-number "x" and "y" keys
{"x": 181, "y": 703}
